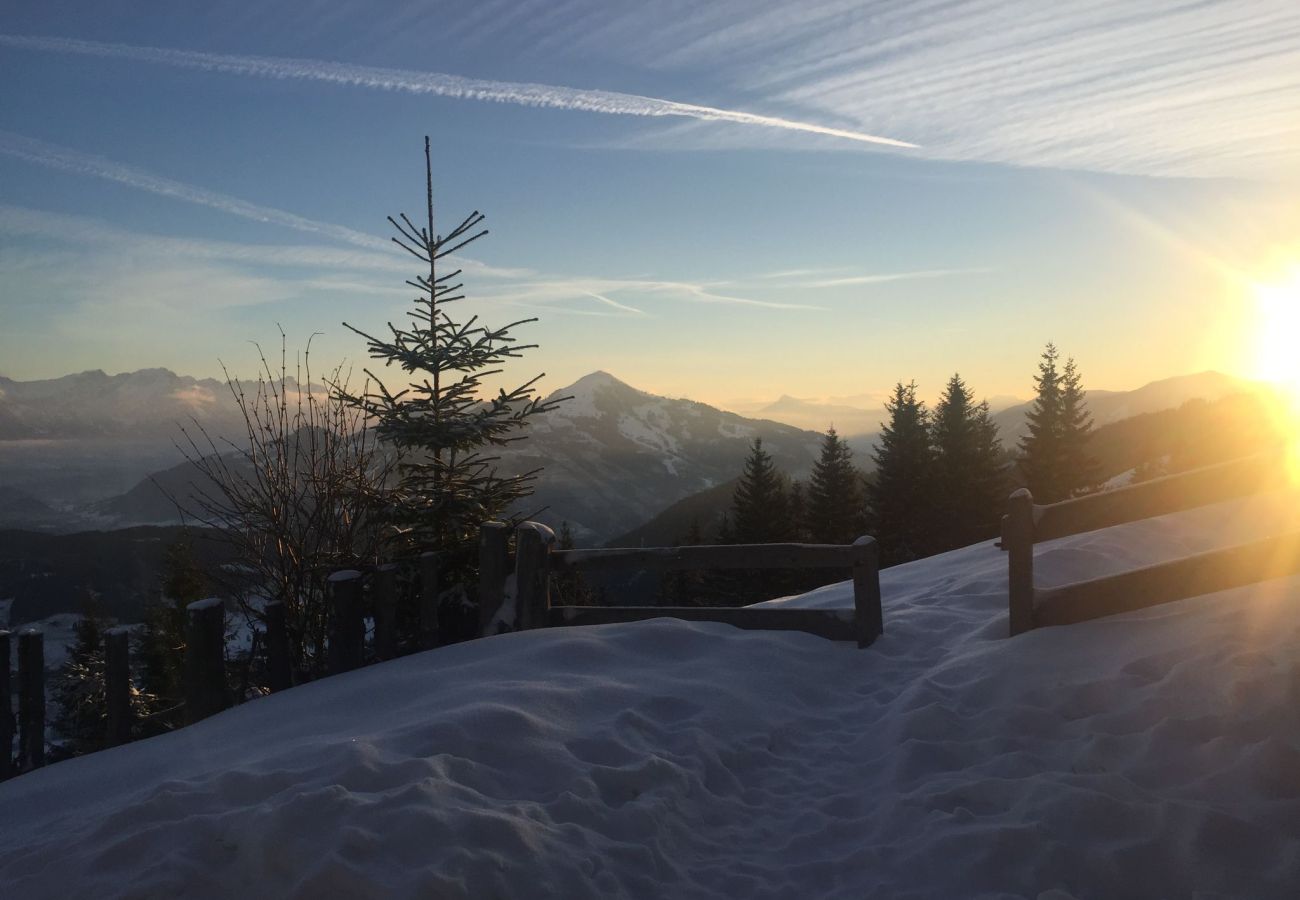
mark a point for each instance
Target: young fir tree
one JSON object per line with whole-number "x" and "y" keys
{"x": 1076, "y": 432}
{"x": 899, "y": 497}
{"x": 760, "y": 514}
{"x": 1054, "y": 456}
{"x": 1041, "y": 451}
{"x": 760, "y": 508}
{"x": 835, "y": 500}
{"x": 443, "y": 420}
{"x": 967, "y": 467}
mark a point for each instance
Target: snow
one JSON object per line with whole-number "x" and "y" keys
{"x": 1155, "y": 754}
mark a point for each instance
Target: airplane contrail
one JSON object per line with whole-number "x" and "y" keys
{"x": 55, "y": 157}
{"x": 409, "y": 81}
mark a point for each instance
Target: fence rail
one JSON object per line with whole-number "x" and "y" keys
{"x": 1027, "y": 524}
{"x": 536, "y": 561}
{"x": 518, "y": 596}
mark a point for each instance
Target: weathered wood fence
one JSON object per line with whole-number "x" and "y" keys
{"x": 523, "y": 600}
{"x": 518, "y": 598}
{"x": 1027, "y": 524}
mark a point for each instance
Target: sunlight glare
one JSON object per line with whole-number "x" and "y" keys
{"x": 1277, "y": 352}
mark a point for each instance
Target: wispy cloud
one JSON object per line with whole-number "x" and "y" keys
{"x": 562, "y": 288}
{"x": 439, "y": 84}
{"x": 53, "y": 156}
{"x": 83, "y": 230}
{"x": 343, "y": 270}
{"x": 1169, "y": 88}
{"x": 886, "y": 277}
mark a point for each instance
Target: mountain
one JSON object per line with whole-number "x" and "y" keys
{"x": 132, "y": 405}
{"x": 670, "y": 527}
{"x": 817, "y": 416}
{"x": 1112, "y": 406}
{"x": 614, "y": 456}
{"x": 154, "y": 499}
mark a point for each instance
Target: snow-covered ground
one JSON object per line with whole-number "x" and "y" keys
{"x": 1152, "y": 755}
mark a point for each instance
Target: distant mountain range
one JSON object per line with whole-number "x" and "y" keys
{"x": 135, "y": 405}
{"x": 1111, "y": 406}
{"x": 614, "y": 457}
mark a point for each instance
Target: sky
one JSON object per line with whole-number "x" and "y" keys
{"x": 727, "y": 201}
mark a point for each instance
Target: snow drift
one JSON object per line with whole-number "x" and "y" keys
{"x": 1155, "y": 754}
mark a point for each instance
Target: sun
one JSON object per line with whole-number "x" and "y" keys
{"x": 1277, "y": 355}
{"x": 1277, "y": 351}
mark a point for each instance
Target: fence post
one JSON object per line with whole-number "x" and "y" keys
{"x": 348, "y": 631}
{"x": 532, "y": 574}
{"x": 6, "y": 711}
{"x": 428, "y": 600}
{"x": 205, "y": 659}
{"x": 1018, "y": 541}
{"x": 278, "y": 669}
{"x": 493, "y": 562}
{"x": 867, "y": 615}
{"x": 31, "y": 699}
{"x": 117, "y": 685}
{"x": 386, "y": 611}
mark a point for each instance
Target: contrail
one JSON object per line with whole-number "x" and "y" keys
{"x": 522, "y": 94}
{"x": 55, "y": 157}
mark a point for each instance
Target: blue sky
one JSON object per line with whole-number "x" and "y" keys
{"x": 660, "y": 184}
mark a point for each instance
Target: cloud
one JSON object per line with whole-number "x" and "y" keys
{"x": 562, "y": 288}
{"x": 82, "y": 230}
{"x": 442, "y": 85}
{"x": 341, "y": 270}
{"x": 53, "y": 156}
{"x": 884, "y": 278}
{"x": 1170, "y": 88}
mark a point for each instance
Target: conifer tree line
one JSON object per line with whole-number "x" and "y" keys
{"x": 940, "y": 482}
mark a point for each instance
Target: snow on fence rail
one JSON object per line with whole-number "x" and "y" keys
{"x": 528, "y": 605}
{"x": 1026, "y": 524}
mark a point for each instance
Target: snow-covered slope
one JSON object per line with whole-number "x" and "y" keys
{"x": 615, "y": 456}
{"x": 1155, "y": 754}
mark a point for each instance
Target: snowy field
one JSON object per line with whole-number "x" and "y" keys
{"x": 1152, "y": 755}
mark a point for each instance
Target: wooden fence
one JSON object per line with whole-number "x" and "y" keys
{"x": 1026, "y": 524}
{"x": 205, "y": 681}
{"x": 528, "y": 604}
{"x": 354, "y": 596}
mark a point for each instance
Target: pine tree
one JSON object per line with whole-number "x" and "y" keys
{"x": 899, "y": 497}
{"x": 835, "y": 501}
{"x": 1041, "y": 452}
{"x": 1076, "y": 432}
{"x": 1054, "y": 456}
{"x": 760, "y": 508}
{"x": 967, "y": 467}
{"x": 443, "y": 420}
